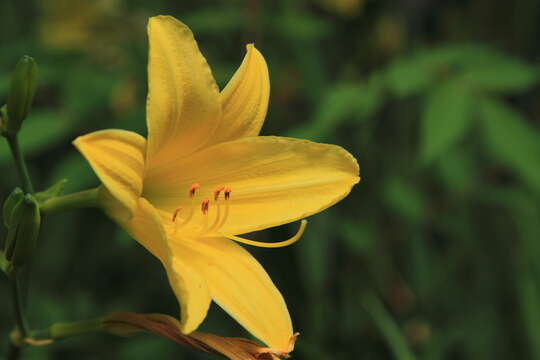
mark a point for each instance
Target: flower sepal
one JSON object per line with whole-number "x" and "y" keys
{"x": 53, "y": 191}
{"x": 129, "y": 324}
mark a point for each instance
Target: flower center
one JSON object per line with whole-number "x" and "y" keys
{"x": 215, "y": 213}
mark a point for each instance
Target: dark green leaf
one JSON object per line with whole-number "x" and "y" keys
{"x": 503, "y": 75}
{"x": 445, "y": 120}
{"x": 511, "y": 140}
{"x": 405, "y": 199}
{"x": 341, "y": 102}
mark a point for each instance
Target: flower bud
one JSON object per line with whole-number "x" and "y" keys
{"x": 23, "y": 231}
{"x": 13, "y": 199}
{"x": 21, "y": 94}
{"x": 3, "y": 117}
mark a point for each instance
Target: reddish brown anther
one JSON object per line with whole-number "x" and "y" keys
{"x": 192, "y": 189}
{"x": 204, "y": 206}
{"x": 227, "y": 193}
{"x": 217, "y": 192}
{"x": 175, "y": 214}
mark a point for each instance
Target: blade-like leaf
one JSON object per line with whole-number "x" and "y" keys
{"x": 445, "y": 120}
{"x": 502, "y": 75}
{"x": 511, "y": 140}
{"x": 340, "y": 103}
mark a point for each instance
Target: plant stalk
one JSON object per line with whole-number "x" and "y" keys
{"x": 59, "y": 331}
{"x": 16, "y": 152}
{"x": 59, "y": 204}
{"x": 18, "y": 307}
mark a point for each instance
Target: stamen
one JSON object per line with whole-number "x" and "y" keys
{"x": 191, "y": 193}
{"x": 288, "y": 242}
{"x": 226, "y": 196}
{"x": 192, "y": 190}
{"x": 218, "y": 208}
{"x": 175, "y": 214}
{"x": 217, "y": 192}
{"x": 204, "y": 206}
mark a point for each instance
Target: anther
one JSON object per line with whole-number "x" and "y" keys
{"x": 192, "y": 189}
{"x": 217, "y": 192}
{"x": 204, "y": 206}
{"x": 227, "y": 193}
{"x": 175, "y": 214}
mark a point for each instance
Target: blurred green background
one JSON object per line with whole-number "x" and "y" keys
{"x": 434, "y": 255}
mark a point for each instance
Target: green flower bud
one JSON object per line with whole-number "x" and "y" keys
{"x": 13, "y": 199}
{"x": 3, "y": 117}
{"x": 23, "y": 231}
{"x": 21, "y": 94}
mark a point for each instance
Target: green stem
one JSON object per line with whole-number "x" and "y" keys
{"x": 14, "y": 352}
{"x": 59, "y": 331}
{"x": 22, "y": 325}
{"x": 20, "y": 316}
{"x": 55, "y": 205}
{"x": 13, "y": 142}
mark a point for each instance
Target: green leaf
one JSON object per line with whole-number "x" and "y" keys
{"x": 414, "y": 73}
{"x": 404, "y": 198}
{"x": 458, "y": 171}
{"x": 408, "y": 75}
{"x": 511, "y": 140}
{"x": 445, "y": 119}
{"x": 502, "y": 75}
{"x": 302, "y": 26}
{"x": 341, "y": 102}
{"x": 485, "y": 68}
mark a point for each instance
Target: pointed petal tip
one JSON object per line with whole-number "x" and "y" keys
{"x": 187, "y": 328}
{"x": 158, "y": 18}
{"x": 166, "y": 20}
{"x": 282, "y": 353}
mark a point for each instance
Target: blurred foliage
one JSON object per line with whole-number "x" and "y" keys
{"x": 433, "y": 255}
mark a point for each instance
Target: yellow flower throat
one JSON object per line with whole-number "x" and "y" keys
{"x": 220, "y": 206}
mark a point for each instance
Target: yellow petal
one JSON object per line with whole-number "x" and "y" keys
{"x": 244, "y": 100}
{"x": 188, "y": 285}
{"x": 183, "y": 108}
{"x": 274, "y": 180}
{"x": 117, "y": 158}
{"x": 240, "y": 285}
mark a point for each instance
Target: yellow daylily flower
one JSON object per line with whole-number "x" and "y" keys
{"x": 203, "y": 176}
